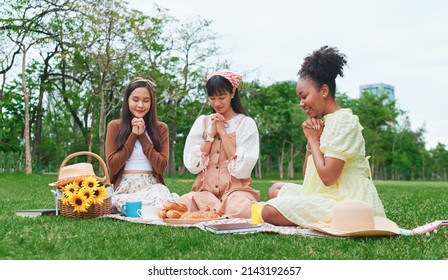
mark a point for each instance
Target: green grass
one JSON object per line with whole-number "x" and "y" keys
{"x": 409, "y": 204}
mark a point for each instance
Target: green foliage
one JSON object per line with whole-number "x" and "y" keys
{"x": 53, "y": 237}
{"x": 11, "y": 120}
{"x": 88, "y": 54}
{"x": 278, "y": 116}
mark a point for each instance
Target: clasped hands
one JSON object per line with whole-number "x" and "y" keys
{"x": 218, "y": 125}
{"x": 313, "y": 128}
{"x": 138, "y": 125}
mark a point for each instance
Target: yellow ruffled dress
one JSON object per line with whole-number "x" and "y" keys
{"x": 313, "y": 202}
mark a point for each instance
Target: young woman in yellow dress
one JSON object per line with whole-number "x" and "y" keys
{"x": 335, "y": 167}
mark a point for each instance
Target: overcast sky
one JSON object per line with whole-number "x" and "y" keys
{"x": 401, "y": 43}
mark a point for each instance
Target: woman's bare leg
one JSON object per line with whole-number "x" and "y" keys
{"x": 274, "y": 189}
{"x": 271, "y": 215}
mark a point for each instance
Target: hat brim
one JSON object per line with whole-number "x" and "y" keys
{"x": 60, "y": 183}
{"x": 383, "y": 227}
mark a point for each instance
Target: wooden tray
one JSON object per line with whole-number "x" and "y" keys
{"x": 189, "y": 221}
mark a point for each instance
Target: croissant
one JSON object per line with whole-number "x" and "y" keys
{"x": 175, "y": 206}
{"x": 201, "y": 215}
{"x": 185, "y": 214}
{"x": 191, "y": 215}
{"x": 173, "y": 214}
{"x": 210, "y": 214}
{"x": 162, "y": 214}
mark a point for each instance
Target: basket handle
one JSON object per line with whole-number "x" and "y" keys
{"x": 87, "y": 153}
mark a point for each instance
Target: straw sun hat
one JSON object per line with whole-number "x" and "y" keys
{"x": 71, "y": 172}
{"x": 356, "y": 219}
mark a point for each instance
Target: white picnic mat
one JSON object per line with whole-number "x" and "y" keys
{"x": 290, "y": 230}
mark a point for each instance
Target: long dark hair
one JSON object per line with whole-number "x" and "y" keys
{"x": 323, "y": 66}
{"x": 218, "y": 85}
{"x": 150, "y": 118}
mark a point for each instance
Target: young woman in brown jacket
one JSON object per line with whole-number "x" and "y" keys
{"x": 137, "y": 149}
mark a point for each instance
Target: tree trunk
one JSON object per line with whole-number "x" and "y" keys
{"x": 92, "y": 124}
{"x": 1, "y": 96}
{"x": 171, "y": 158}
{"x": 26, "y": 134}
{"x": 259, "y": 169}
{"x": 182, "y": 170}
{"x": 39, "y": 114}
{"x": 90, "y": 143}
{"x": 423, "y": 168}
{"x": 291, "y": 162}
{"x": 269, "y": 165}
{"x": 280, "y": 160}
{"x": 102, "y": 124}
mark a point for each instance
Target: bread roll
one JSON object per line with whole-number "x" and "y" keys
{"x": 211, "y": 215}
{"x": 173, "y": 214}
{"x": 201, "y": 215}
{"x": 175, "y": 206}
{"x": 191, "y": 215}
{"x": 162, "y": 214}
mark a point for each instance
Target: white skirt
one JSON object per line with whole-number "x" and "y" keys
{"x": 141, "y": 187}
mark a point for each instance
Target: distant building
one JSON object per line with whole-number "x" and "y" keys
{"x": 378, "y": 89}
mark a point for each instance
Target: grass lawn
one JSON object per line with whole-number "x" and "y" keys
{"x": 409, "y": 204}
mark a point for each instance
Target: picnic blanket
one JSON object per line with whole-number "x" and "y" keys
{"x": 265, "y": 227}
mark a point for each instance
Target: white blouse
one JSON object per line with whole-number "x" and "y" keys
{"x": 247, "y": 146}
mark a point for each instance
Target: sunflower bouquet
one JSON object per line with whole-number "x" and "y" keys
{"x": 79, "y": 192}
{"x": 82, "y": 193}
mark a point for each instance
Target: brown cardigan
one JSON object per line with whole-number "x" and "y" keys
{"x": 116, "y": 159}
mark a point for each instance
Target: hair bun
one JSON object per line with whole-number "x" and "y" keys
{"x": 324, "y": 64}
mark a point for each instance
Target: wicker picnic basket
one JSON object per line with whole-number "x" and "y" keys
{"x": 95, "y": 210}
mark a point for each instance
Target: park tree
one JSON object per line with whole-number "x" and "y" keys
{"x": 439, "y": 156}
{"x": 106, "y": 45}
{"x": 406, "y": 154}
{"x": 175, "y": 55}
{"x": 12, "y": 122}
{"x": 279, "y": 118}
{"x": 26, "y": 26}
{"x": 78, "y": 56}
{"x": 375, "y": 112}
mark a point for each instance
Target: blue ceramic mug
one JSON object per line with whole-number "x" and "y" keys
{"x": 131, "y": 208}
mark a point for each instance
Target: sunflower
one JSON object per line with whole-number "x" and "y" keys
{"x": 70, "y": 189}
{"x": 90, "y": 182}
{"x": 79, "y": 203}
{"x": 64, "y": 200}
{"x": 78, "y": 182}
{"x": 87, "y": 193}
{"x": 99, "y": 194}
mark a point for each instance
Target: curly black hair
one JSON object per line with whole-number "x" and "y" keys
{"x": 323, "y": 66}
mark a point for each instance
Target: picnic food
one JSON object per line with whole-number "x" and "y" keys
{"x": 173, "y": 210}
{"x": 201, "y": 215}
{"x": 175, "y": 206}
{"x": 173, "y": 214}
{"x": 162, "y": 214}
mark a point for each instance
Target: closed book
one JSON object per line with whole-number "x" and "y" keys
{"x": 233, "y": 228}
{"x": 36, "y": 212}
